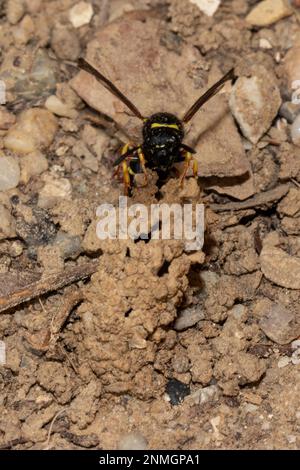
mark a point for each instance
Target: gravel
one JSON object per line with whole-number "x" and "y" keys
{"x": 9, "y": 173}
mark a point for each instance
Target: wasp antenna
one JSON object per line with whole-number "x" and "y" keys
{"x": 84, "y": 65}
{"x": 208, "y": 94}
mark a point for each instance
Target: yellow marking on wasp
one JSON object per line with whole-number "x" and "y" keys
{"x": 157, "y": 124}
{"x": 143, "y": 163}
{"x": 195, "y": 167}
{"x": 126, "y": 174}
{"x": 124, "y": 149}
{"x": 187, "y": 160}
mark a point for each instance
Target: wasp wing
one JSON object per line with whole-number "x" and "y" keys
{"x": 207, "y": 95}
{"x": 84, "y": 65}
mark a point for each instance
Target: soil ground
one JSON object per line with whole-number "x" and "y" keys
{"x": 126, "y": 344}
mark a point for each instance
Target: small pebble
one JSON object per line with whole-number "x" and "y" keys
{"x": 32, "y": 75}
{"x": 35, "y": 128}
{"x": 295, "y": 344}
{"x": 265, "y": 44}
{"x": 215, "y": 422}
{"x": 86, "y": 157}
{"x": 265, "y": 426}
{"x": 7, "y": 119}
{"x": 290, "y": 204}
{"x": 54, "y": 190}
{"x": 291, "y": 439}
{"x": 7, "y": 224}
{"x": 65, "y": 43}
{"x": 188, "y": 317}
{"x": 96, "y": 139}
{"x": 292, "y": 65}
{"x": 268, "y": 12}
{"x": 203, "y": 395}
{"x": 280, "y": 267}
{"x": 24, "y": 31}
{"x": 32, "y": 164}
{"x": 69, "y": 246}
{"x": 9, "y": 173}
{"x": 250, "y": 408}
{"x": 295, "y": 131}
{"x": 254, "y": 102}
{"x": 15, "y": 248}
{"x": 209, "y": 7}
{"x": 56, "y": 106}
{"x": 133, "y": 441}
{"x": 120, "y": 9}
{"x": 289, "y": 111}
{"x": 14, "y": 11}
{"x": 278, "y": 324}
{"x": 296, "y": 357}
{"x": 253, "y": 398}
{"x": 239, "y": 312}
{"x": 81, "y": 14}
{"x": 283, "y": 361}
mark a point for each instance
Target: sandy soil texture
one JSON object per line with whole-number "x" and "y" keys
{"x": 143, "y": 344}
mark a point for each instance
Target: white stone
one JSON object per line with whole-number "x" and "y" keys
{"x": 203, "y": 395}
{"x": 81, "y": 14}
{"x": 295, "y": 344}
{"x": 209, "y": 7}
{"x": 188, "y": 317}
{"x": 268, "y": 12}
{"x": 56, "y": 106}
{"x": 35, "y": 128}
{"x": 283, "y": 362}
{"x": 296, "y": 357}
{"x": 9, "y": 173}
{"x": 264, "y": 44}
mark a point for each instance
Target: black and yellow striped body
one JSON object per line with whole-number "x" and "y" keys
{"x": 162, "y": 147}
{"x": 162, "y": 139}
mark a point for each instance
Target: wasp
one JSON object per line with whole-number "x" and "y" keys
{"x": 163, "y": 135}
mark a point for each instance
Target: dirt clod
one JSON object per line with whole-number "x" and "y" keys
{"x": 141, "y": 343}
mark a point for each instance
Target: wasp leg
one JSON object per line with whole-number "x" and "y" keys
{"x": 126, "y": 175}
{"x": 126, "y": 151}
{"x": 130, "y": 163}
{"x": 187, "y": 148}
{"x": 126, "y": 178}
{"x": 188, "y": 159}
{"x": 143, "y": 164}
{"x": 116, "y": 173}
{"x": 195, "y": 167}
